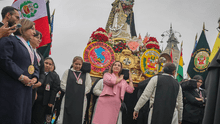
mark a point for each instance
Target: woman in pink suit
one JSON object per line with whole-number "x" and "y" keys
{"x": 110, "y": 99}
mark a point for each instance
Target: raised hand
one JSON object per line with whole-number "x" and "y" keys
{"x": 4, "y": 31}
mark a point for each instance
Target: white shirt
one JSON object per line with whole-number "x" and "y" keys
{"x": 149, "y": 93}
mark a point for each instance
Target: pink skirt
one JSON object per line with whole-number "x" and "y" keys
{"x": 107, "y": 110}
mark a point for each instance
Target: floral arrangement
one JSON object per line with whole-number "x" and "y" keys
{"x": 119, "y": 47}
{"x": 97, "y": 61}
{"x": 99, "y": 35}
{"x": 133, "y": 45}
{"x": 145, "y": 39}
{"x": 152, "y": 43}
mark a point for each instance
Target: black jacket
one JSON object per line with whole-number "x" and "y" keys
{"x": 194, "y": 110}
{"x": 41, "y": 68}
{"x": 48, "y": 96}
{"x": 212, "y": 109}
{"x": 41, "y": 75}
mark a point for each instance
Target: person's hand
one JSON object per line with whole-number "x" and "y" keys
{"x": 135, "y": 115}
{"x": 50, "y": 105}
{"x": 33, "y": 80}
{"x": 26, "y": 80}
{"x": 38, "y": 84}
{"x": 4, "y": 31}
{"x": 119, "y": 78}
{"x": 59, "y": 92}
{"x": 198, "y": 99}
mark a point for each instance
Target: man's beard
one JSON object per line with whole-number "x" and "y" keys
{"x": 10, "y": 23}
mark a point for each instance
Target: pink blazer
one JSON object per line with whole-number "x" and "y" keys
{"x": 111, "y": 88}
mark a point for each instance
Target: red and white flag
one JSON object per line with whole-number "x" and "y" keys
{"x": 36, "y": 11}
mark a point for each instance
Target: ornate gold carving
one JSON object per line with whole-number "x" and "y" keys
{"x": 131, "y": 62}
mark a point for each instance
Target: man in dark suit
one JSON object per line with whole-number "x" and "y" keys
{"x": 10, "y": 17}
{"x": 46, "y": 94}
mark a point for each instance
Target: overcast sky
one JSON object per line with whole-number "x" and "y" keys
{"x": 76, "y": 20}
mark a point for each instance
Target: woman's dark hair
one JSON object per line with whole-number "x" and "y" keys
{"x": 77, "y": 58}
{"x": 54, "y": 66}
{"x": 51, "y": 60}
{"x": 169, "y": 68}
{"x": 111, "y": 69}
{"x": 38, "y": 33}
{"x": 198, "y": 77}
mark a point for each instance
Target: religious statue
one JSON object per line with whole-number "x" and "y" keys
{"x": 121, "y": 20}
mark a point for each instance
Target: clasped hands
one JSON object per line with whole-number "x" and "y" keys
{"x": 28, "y": 82}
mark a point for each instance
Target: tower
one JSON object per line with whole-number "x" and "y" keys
{"x": 172, "y": 45}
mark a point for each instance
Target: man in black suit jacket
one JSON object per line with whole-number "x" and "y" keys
{"x": 46, "y": 94}
{"x": 10, "y": 17}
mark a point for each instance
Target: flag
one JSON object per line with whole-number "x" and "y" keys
{"x": 194, "y": 45}
{"x": 179, "y": 76}
{"x": 215, "y": 47}
{"x": 36, "y": 11}
{"x": 46, "y": 49}
{"x": 200, "y": 59}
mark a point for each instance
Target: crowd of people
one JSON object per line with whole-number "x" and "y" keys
{"x": 31, "y": 91}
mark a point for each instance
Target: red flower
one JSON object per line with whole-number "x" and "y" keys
{"x": 101, "y": 29}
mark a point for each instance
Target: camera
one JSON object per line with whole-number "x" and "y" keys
{"x": 17, "y": 26}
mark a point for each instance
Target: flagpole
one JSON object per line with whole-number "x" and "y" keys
{"x": 179, "y": 60}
